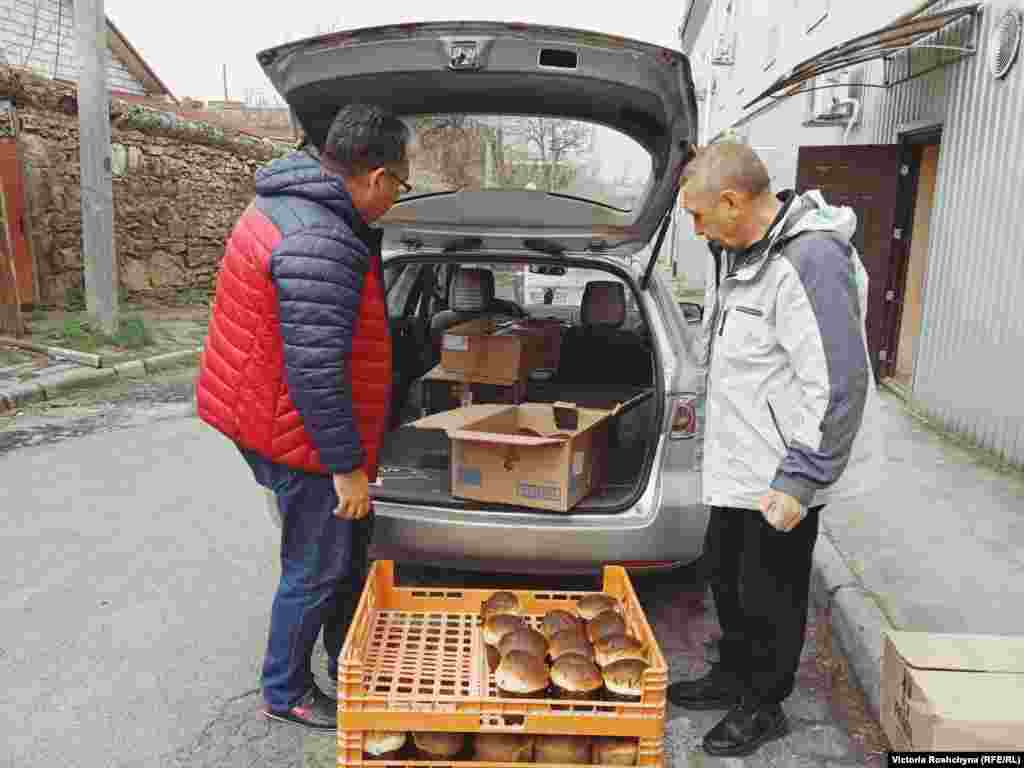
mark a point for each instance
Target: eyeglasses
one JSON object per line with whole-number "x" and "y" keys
{"x": 404, "y": 185}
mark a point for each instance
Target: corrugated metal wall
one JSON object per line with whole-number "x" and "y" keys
{"x": 968, "y": 373}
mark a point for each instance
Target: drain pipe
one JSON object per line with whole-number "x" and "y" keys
{"x": 854, "y": 116}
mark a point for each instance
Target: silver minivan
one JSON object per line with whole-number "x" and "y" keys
{"x": 545, "y": 167}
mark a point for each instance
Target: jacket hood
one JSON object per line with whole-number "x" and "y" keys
{"x": 301, "y": 175}
{"x": 810, "y": 213}
{"x": 807, "y": 213}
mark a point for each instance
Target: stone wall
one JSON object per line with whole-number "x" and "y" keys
{"x": 178, "y": 189}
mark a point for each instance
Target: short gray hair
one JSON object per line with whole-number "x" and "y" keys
{"x": 727, "y": 165}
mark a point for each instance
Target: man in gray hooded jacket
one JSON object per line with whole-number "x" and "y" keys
{"x": 792, "y": 423}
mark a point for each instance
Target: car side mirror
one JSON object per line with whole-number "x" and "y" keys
{"x": 693, "y": 313}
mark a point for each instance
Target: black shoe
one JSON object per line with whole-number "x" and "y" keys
{"x": 329, "y": 691}
{"x": 745, "y": 729}
{"x": 716, "y": 690}
{"x": 315, "y": 712}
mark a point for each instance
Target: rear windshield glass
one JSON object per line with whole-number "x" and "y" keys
{"x": 557, "y": 155}
{"x": 532, "y": 290}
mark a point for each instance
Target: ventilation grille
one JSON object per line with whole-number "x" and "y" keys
{"x": 1005, "y": 43}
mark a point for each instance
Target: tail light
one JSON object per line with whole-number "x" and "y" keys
{"x": 686, "y": 417}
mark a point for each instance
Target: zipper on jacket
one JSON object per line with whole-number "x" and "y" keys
{"x": 750, "y": 311}
{"x": 775, "y": 421}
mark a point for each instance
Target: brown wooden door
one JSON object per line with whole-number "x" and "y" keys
{"x": 867, "y": 179}
{"x": 14, "y": 194}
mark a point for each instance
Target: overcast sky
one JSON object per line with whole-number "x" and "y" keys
{"x": 188, "y": 42}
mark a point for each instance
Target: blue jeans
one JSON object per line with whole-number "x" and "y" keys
{"x": 323, "y": 569}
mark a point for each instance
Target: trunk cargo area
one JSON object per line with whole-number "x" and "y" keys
{"x": 415, "y": 464}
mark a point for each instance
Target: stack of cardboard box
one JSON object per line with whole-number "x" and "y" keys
{"x": 486, "y": 361}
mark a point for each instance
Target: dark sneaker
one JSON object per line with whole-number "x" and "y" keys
{"x": 745, "y": 729}
{"x": 329, "y": 691}
{"x": 315, "y": 711}
{"x": 716, "y": 690}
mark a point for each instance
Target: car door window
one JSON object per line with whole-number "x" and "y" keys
{"x": 401, "y": 288}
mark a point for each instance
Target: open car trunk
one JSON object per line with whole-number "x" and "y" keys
{"x": 604, "y": 366}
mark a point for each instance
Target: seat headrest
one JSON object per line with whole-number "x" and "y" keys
{"x": 604, "y": 304}
{"x": 472, "y": 290}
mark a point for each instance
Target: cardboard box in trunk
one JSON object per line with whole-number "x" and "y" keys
{"x": 487, "y": 352}
{"x": 520, "y": 454}
{"x": 443, "y": 390}
{"x": 953, "y": 692}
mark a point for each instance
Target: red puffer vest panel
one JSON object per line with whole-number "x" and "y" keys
{"x": 243, "y": 384}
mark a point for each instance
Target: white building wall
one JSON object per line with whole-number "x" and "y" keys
{"x": 972, "y": 286}
{"x": 40, "y": 35}
{"x": 770, "y": 37}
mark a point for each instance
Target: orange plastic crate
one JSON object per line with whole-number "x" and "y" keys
{"x": 414, "y": 660}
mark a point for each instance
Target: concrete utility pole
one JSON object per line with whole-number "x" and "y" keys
{"x": 98, "y": 255}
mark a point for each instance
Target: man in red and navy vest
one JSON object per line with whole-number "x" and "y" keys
{"x": 297, "y": 372}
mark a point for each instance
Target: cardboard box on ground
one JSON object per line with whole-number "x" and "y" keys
{"x": 943, "y": 692}
{"x": 538, "y": 455}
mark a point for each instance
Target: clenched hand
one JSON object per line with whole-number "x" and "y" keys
{"x": 353, "y": 492}
{"x": 782, "y": 511}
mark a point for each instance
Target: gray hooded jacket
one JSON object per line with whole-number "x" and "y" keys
{"x": 791, "y": 397}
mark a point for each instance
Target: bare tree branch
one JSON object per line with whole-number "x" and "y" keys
{"x": 554, "y": 140}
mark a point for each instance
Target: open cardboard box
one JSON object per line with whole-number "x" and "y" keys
{"x": 945, "y": 692}
{"x": 539, "y": 455}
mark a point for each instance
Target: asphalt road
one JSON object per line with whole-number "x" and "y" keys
{"x": 138, "y": 569}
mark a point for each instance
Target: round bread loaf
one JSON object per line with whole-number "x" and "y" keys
{"x": 439, "y": 744}
{"x": 591, "y": 605}
{"x": 525, "y": 639}
{"x": 615, "y": 647}
{"x": 605, "y": 624}
{"x": 564, "y": 750}
{"x": 576, "y": 677}
{"x": 521, "y": 674}
{"x": 498, "y": 603}
{"x": 503, "y": 748}
{"x": 612, "y": 750}
{"x": 496, "y": 627}
{"x": 570, "y": 641}
{"x": 384, "y": 744}
{"x": 624, "y": 679}
{"x": 558, "y": 620}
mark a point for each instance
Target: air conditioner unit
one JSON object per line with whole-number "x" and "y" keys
{"x": 830, "y": 90}
{"x": 723, "y": 52}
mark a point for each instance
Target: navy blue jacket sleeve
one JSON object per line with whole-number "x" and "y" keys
{"x": 318, "y": 273}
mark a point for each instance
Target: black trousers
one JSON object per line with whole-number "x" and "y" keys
{"x": 760, "y": 578}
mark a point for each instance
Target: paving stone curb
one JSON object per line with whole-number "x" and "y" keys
{"x": 46, "y": 388}
{"x": 856, "y": 620}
